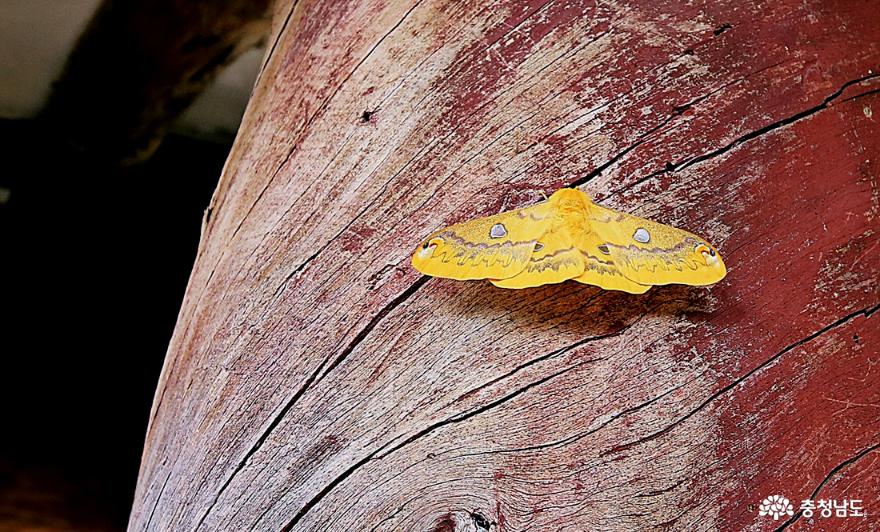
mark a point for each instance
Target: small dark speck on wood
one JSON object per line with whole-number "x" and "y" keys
{"x": 481, "y": 522}
{"x": 722, "y": 28}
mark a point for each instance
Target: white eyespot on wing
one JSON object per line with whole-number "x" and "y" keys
{"x": 498, "y": 231}
{"x": 642, "y": 235}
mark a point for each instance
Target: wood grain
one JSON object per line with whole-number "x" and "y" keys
{"x": 316, "y": 382}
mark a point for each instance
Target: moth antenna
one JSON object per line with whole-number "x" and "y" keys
{"x": 544, "y": 195}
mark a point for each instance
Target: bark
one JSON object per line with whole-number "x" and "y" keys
{"x": 316, "y": 382}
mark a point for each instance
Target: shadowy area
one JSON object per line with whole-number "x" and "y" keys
{"x": 94, "y": 266}
{"x": 164, "y": 54}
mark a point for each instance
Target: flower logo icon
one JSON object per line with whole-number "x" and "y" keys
{"x": 775, "y": 505}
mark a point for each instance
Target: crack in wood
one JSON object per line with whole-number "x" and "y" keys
{"x": 260, "y": 195}
{"x": 557, "y": 352}
{"x": 399, "y": 300}
{"x": 661, "y": 491}
{"x": 326, "y": 103}
{"x": 554, "y": 353}
{"x": 202, "y": 292}
{"x": 834, "y": 471}
{"x": 681, "y": 165}
{"x": 677, "y": 111}
{"x": 314, "y": 379}
{"x": 281, "y": 31}
{"x": 866, "y": 312}
{"x": 860, "y": 95}
{"x": 721, "y": 29}
{"x": 668, "y": 524}
{"x": 464, "y": 62}
{"x": 393, "y": 515}
{"x": 427, "y": 430}
{"x": 575, "y": 437}
{"x": 158, "y": 498}
{"x": 305, "y": 128}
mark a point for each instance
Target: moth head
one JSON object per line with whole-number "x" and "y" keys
{"x": 570, "y": 199}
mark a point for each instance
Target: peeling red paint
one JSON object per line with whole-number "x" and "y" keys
{"x": 493, "y": 59}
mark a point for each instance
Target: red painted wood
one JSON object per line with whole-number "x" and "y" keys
{"x": 315, "y": 382}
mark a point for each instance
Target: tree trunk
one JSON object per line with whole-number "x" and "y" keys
{"x": 316, "y": 382}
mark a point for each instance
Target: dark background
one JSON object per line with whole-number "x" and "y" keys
{"x": 95, "y": 260}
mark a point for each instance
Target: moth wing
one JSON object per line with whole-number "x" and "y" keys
{"x": 494, "y": 247}
{"x": 651, "y": 253}
{"x": 555, "y": 259}
{"x": 600, "y": 270}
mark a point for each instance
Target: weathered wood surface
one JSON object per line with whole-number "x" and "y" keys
{"x": 316, "y": 382}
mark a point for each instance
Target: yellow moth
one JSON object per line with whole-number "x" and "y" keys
{"x": 568, "y": 236}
